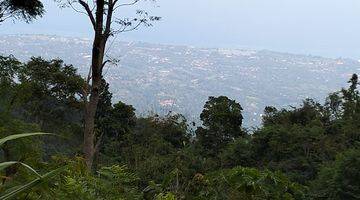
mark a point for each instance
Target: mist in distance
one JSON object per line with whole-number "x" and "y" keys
{"x": 327, "y": 28}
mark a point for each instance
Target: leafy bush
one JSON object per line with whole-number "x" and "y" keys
{"x": 248, "y": 183}
{"x": 340, "y": 179}
{"x": 115, "y": 182}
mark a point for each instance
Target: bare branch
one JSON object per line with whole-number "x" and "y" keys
{"x": 103, "y": 65}
{"x": 110, "y": 60}
{"x": 109, "y": 18}
{"x": 76, "y": 10}
{"x": 88, "y": 11}
{"x": 127, "y": 4}
{"x": 89, "y": 76}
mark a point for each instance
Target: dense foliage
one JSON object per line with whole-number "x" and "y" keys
{"x": 305, "y": 152}
{"x": 20, "y": 9}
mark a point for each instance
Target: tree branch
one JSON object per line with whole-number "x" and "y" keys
{"x": 103, "y": 65}
{"x": 124, "y": 29}
{"x": 76, "y": 10}
{"x": 127, "y": 4}
{"x": 88, "y": 11}
{"x": 107, "y": 31}
{"x": 98, "y": 143}
{"x": 85, "y": 88}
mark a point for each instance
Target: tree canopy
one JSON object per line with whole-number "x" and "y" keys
{"x": 26, "y": 10}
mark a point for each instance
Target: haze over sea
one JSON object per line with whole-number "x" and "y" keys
{"x": 323, "y": 27}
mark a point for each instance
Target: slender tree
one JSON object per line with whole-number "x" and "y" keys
{"x": 105, "y": 23}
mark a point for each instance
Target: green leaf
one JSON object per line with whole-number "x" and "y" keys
{"x": 5, "y": 165}
{"x": 17, "y": 136}
{"x": 17, "y": 190}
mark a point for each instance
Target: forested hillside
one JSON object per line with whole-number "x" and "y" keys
{"x": 163, "y": 78}
{"x": 306, "y": 152}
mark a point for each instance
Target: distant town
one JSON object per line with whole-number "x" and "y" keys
{"x": 165, "y": 78}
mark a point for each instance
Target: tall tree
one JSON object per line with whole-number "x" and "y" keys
{"x": 351, "y": 98}
{"x": 222, "y": 120}
{"x": 105, "y": 24}
{"x": 27, "y": 10}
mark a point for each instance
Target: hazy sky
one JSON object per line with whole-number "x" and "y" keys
{"x": 319, "y": 27}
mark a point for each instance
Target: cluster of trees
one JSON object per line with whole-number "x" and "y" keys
{"x": 306, "y": 152}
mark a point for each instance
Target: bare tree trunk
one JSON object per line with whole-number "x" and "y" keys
{"x": 89, "y": 134}
{"x": 96, "y": 75}
{"x": 98, "y": 51}
{"x": 91, "y": 106}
